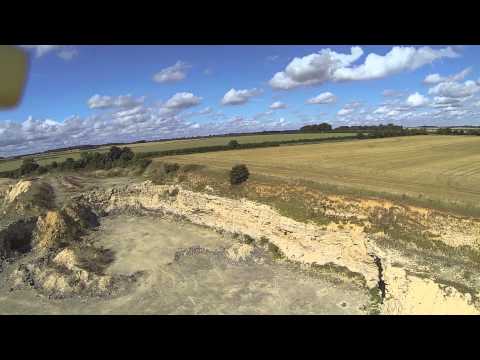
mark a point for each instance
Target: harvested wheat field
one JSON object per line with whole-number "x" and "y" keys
{"x": 441, "y": 168}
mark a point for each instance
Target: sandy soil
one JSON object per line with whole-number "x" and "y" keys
{"x": 193, "y": 285}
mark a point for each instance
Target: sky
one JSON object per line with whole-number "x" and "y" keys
{"x": 97, "y": 94}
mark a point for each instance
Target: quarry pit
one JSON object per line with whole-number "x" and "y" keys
{"x": 128, "y": 246}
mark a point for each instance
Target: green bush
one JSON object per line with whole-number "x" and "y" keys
{"x": 239, "y": 174}
{"x": 233, "y": 144}
{"x": 28, "y": 166}
{"x": 41, "y": 170}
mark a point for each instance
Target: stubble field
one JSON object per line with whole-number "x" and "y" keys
{"x": 441, "y": 168}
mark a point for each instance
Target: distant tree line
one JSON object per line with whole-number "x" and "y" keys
{"x": 376, "y": 134}
{"x": 367, "y": 128}
{"x": 366, "y": 131}
{"x": 316, "y": 127}
{"x": 449, "y": 131}
{"x": 115, "y": 157}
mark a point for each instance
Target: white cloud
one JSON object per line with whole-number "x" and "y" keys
{"x": 436, "y": 78}
{"x": 278, "y": 105}
{"x": 173, "y": 73}
{"x": 64, "y": 52}
{"x": 439, "y": 101}
{"x": 328, "y": 65}
{"x": 313, "y": 69}
{"x": 382, "y": 110}
{"x": 239, "y": 97}
{"x": 416, "y": 100}
{"x": 122, "y": 101}
{"x": 182, "y": 100}
{"x": 396, "y": 60}
{"x": 323, "y": 98}
{"x": 67, "y": 53}
{"x": 345, "y": 111}
{"x": 454, "y": 89}
{"x": 205, "y": 111}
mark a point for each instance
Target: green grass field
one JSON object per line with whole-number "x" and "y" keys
{"x": 441, "y": 168}
{"x": 174, "y": 144}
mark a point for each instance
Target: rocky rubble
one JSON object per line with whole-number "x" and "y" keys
{"x": 59, "y": 264}
{"x": 68, "y": 273}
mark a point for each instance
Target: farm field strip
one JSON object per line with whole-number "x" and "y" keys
{"x": 173, "y": 145}
{"x": 438, "y": 167}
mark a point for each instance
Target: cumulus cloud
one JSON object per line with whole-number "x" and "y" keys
{"x": 416, "y": 100}
{"x": 278, "y": 105}
{"x": 323, "y": 98}
{"x": 441, "y": 101}
{"x": 396, "y": 60}
{"x": 173, "y": 73}
{"x": 313, "y": 69}
{"x": 328, "y": 65}
{"x": 453, "y": 89}
{"x": 436, "y": 78}
{"x": 239, "y": 97}
{"x": 104, "y": 102}
{"x": 345, "y": 111}
{"x": 182, "y": 100}
{"x": 64, "y": 52}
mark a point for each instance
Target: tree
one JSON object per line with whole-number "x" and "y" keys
{"x": 239, "y": 174}
{"x": 317, "y": 127}
{"x": 233, "y": 144}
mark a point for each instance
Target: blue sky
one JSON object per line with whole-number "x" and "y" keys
{"x": 94, "y": 94}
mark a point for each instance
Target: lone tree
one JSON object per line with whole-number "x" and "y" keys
{"x": 239, "y": 174}
{"x": 233, "y": 144}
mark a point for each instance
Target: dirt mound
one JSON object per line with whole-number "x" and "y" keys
{"x": 28, "y": 197}
{"x": 72, "y": 271}
{"x": 18, "y": 189}
{"x": 57, "y": 228}
{"x": 60, "y": 282}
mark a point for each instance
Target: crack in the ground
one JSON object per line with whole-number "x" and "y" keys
{"x": 382, "y": 286}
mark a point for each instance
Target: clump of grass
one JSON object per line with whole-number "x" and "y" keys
{"x": 248, "y": 239}
{"x": 339, "y": 271}
{"x": 263, "y": 241}
{"x": 375, "y": 301}
{"x": 275, "y": 250}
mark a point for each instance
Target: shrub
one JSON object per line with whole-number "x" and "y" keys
{"x": 170, "y": 168}
{"x": 28, "y": 166}
{"x": 233, "y": 144}
{"x": 239, "y": 174}
{"x": 42, "y": 170}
